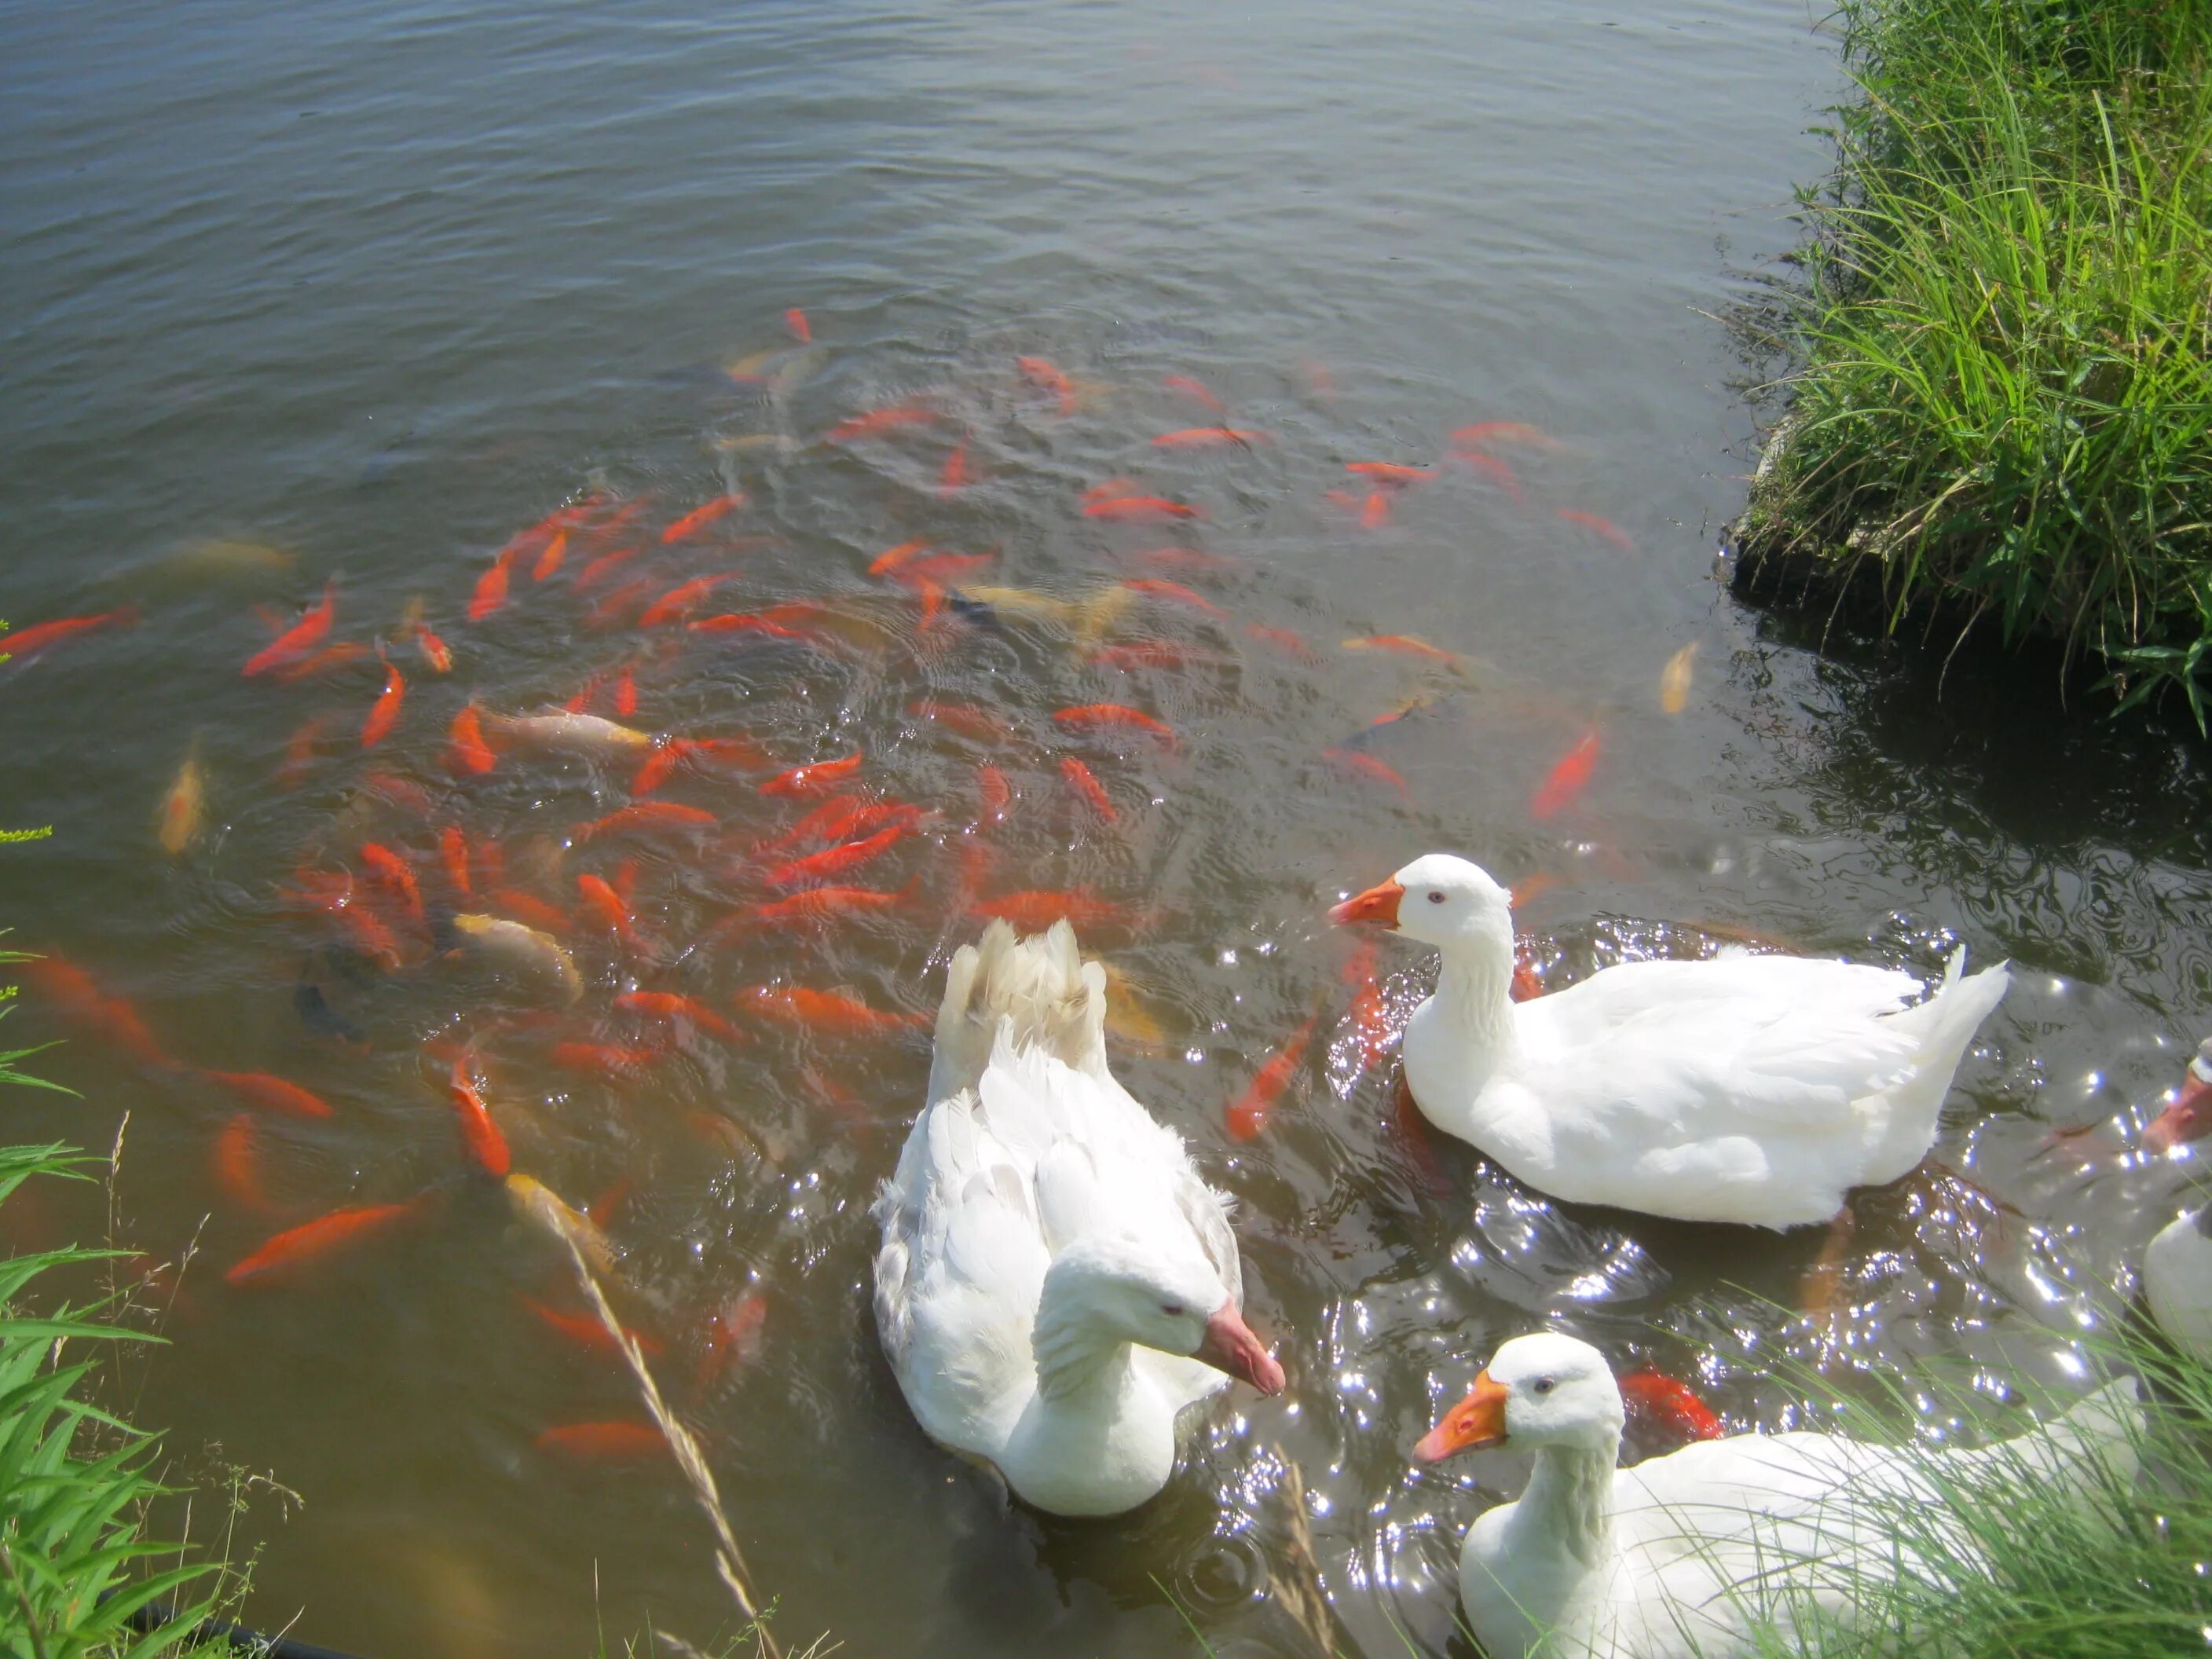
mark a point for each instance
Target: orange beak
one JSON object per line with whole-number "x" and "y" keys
{"x": 1230, "y": 1347}
{"x": 2189, "y": 1117}
{"x": 1376, "y": 904}
{"x": 1477, "y": 1421}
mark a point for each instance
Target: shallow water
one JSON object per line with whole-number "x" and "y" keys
{"x": 379, "y": 288}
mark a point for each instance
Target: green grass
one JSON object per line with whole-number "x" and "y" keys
{"x": 2001, "y": 349}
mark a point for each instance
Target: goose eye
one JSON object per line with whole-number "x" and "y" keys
{"x": 1436, "y": 897}
{"x": 1545, "y": 1384}
{"x": 1172, "y": 1310}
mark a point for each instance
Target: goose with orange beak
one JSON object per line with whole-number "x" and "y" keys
{"x": 2177, "y": 1269}
{"x": 1751, "y": 1089}
{"x": 1718, "y": 1548}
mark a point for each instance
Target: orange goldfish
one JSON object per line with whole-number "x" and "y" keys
{"x": 1367, "y": 766}
{"x": 619, "y": 1065}
{"x": 238, "y": 1164}
{"x": 892, "y": 558}
{"x": 795, "y": 320}
{"x": 1405, "y": 645}
{"x": 675, "y": 1010}
{"x": 393, "y": 874}
{"x": 1042, "y": 371}
{"x": 744, "y": 623}
{"x": 592, "y": 574}
{"x": 877, "y": 422}
{"x": 626, "y": 693}
{"x": 940, "y": 568}
{"x": 467, "y": 754}
{"x": 1669, "y": 1404}
{"x": 1084, "y": 783}
{"x": 1564, "y": 781}
{"x": 481, "y": 1139}
{"x": 1375, "y": 511}
{"x": 300, "y": 749}
{"x": 272, "y": 1094}
{"x": 618, "y": 1442}
{"x": 298, "y": 641}
{"x": 1250, "y": 1112}
{"x": 680, "y": 599}
{"x": 810, "y": 779}
{"x": 836, "y": 861}
{"x": 1390, "y": 472}
{"x": 491, "y": 587}
{"x": 1196, "y": 391}
{"x": 80, "y": 999}
{"x": 955, "y": 476}
{"x": 826, "y": 1010}
{"x": 1502, "y": 432}
{"x": 384, "y": 714}
{"x": 1111, "y": 489}
{"x": 436, "y": 651}
{"x": 1139, "y": 509}
{"x": 1283, "y": 640}
{"x": 453, "y": 858}
{"x": 643, "y": 815}
{"x": 1101, "y": 715}
{"x": 733, "y": 1336}
{"x": 969, "y": 719}
{"x": 586, "y": 1331}
{"x": 548, "y": 561}
{"x": 603, "y": 907}
{"x": 39, "y": 636}
{"x": 1605, "y": 529}
{"x": 327, "y": 660}
{"x": 700, "y": 517}
{"x": 293, "y": 1250}
{"x": 618, "y": 602}
{"x": 821, "y": 904}
{"x": 529, "y": 910}
{"x": 1492, "y": 469}
{"x": 1212, "y": 437}
{"x": 1159, "y": 587}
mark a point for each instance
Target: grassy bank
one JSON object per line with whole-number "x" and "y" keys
{"x": 1999, "y": 344}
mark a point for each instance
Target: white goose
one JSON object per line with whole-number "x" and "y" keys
{"x": 1753, "y": 1089}
{"x": 1686, "y": 1554}
{"x": 2177, "y": 1269}
{"x": 1055, "y": 1282}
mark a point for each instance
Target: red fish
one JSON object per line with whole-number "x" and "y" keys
{"x": 436, "y": 651}
{"x": 1492, "y": 469}
{"x": 744, "y": 623}
{"x": 626, "y": 693}
{"x": 892, "y": 558}
{"x": 1084, "y": 783}
{"x": 675, "y": 1010}
{"x": 1283, "y": 640}
{"x": 1250, "y": 1112}
{"x": 1034, "y": 911}
{"x": 601, "y": 905}
{"x": 621, "y": 1065}
{"x": 590, "y": 688}
{"x": 1367, "y": 766}
{"x": 1044, "y": 371}
{"x": 453, "y": 858}
{"x": 733, "y": 1337}
{"x": 604, "y": 1442}
{"x": 644, "y": 815}
{"x": 586, "y": 1331}
{"x": 272, "y": 1094}
{"x": 1406, "y": 645}
{"x": 394, "y": 875}
{"x": 836, "y": 861}
{"x": 298, "y": 641}
{"x": 1139, "y": 509}
{"x": 795, "y": 320}
{"x": 39, "y": 636}
{"x": 1502, "y": 432}
{"x": 822, "y": 904}
{"x": 238, "y": 1164}
{"x": 529, "y": 910}
{"x": 1604, "y": 528}
{"x": 481, "y": 1139}
{"x": 491, "y": 587}
{"x": 603, "y": 567}
{"x": 548, "y": 561}
{"x": 1564, "y": 781}
{"x": 700, "y": 517}
{"x": 295, "y": 1249}
{"x": 678, "y": 600}
{"x": 1212, "y": 437}
{"x": 877, "y": 422}
{"x": 467, "y": 754}
{"x": 1159, "y": 587}
{"x": 1196, "y": 391}
{"x": 665, "y": 757}
{"x": 943, "y": 568}
{"x": 384, "y": 714}
{"x": 1528, "y": 981}
{"x": 1111, "y": 489}
{"x": 328, "y": 660}
{"x": 969, "y": 719}
{"x": 831, "y": 821}
{"x": 80, "y": 1000}
{"x": 810, "y": 779}
{"x": 619, "y": 602}
{"x": 1098, "y": 716}
{"x": 994, "y": 794}
{"x": 1390, "y": 472}
{"x": 1375, "y": 511}
{"x": 828, "y": 1011}
{"x": 300, "y": 749}
{"x": 955, "y": 476}
{"x": 1670, "y": 1403}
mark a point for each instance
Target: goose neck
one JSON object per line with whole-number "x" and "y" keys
{"x": 1474, "y": 983}
{"x": 1569, "y": 1502}
{"x": 1079, "y": 1356}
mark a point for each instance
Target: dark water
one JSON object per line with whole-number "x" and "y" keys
{"x": 377, "y": 287}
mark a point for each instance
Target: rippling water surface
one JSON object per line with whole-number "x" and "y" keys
{"x": 356, "y": 294}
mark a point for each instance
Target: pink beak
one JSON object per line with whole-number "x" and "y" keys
{"x": 1230, "y": 1347}
{"x": 1376, "y": 904}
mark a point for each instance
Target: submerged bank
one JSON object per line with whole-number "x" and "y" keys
{"x": 1999, "y": 349}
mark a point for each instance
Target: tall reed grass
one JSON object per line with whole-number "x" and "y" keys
{"x": 2000, "y": 347}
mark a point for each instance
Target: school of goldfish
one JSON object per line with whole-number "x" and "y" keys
{"x": 717, "y": 833}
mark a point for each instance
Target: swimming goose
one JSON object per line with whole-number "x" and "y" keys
{"x": 1684, "y": 1555}
{"x": 1753, "y": 1089}
{"x": 2177, "y": 1268}
{"x": 1055, "y": 1282}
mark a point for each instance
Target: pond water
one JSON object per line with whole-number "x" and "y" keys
{"x": 356, "y": 294}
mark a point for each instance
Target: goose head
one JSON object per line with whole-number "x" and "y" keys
{"x": 1123, "y": 1288}
{"x": 1544, "y": 1389}
{"x": 1439, "y": 899}
{"x": 2189, "y": 1117}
